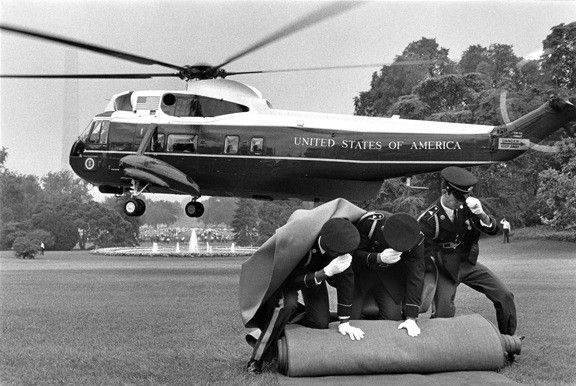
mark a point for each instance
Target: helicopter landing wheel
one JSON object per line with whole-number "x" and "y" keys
{"x": 194, "y": 209}
{"x": 134, "y": 207}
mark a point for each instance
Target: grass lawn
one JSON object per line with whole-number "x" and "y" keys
{"x": 76, "y": 318}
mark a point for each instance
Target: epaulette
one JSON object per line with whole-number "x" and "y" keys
{"x": 374, "y": 217}
{"x": 431, "y": 214}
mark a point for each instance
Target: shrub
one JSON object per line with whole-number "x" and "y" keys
{"x": 25, "y": 247}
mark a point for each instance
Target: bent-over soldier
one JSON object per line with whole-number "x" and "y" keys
{"x": 452, "y": 227}
{"x": 388, "y": 267}
{"x": 271, "y": 278}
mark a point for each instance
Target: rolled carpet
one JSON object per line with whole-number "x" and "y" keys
{"x": 463, "y": 343}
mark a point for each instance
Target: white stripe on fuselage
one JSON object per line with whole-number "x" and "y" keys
{"x": 286, "y": 119}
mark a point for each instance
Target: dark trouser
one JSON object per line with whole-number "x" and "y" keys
{"x": 506, "y": 235}
{"x": 481, "y": 279}
{"x": 371, "y": 286}
{"x": 277, "y": 318}
{"x": 317, "y": 316}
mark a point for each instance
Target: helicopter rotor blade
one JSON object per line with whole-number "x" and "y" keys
{"x": 90, "y": 76}
{"x": 87, "y": 46}
{"x": 317, "y": 16}
{"x": 350, "y": 66}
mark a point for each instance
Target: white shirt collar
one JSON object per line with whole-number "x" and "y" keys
{"x": 449, "y": 212}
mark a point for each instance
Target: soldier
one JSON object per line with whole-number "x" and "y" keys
{"x": 329, "y": 261}
{"x": 388, "y": 266}
{"x": 452, "y": 228}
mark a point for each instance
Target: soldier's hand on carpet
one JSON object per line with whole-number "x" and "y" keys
{"x": 354, "y": 332}
{"x": 339, "y": 264}
{"x": 389, "y": 256}
{"x": 410, "y": 326}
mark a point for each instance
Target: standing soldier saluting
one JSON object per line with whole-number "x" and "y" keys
{"x": 452, "y": 227}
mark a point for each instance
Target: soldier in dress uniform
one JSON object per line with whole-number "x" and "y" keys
{"x": 328, "y": 260}
{"x": 388, "y": 266}
{"x": 452, "y": 227}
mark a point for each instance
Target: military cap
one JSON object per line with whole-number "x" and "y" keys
{"x": 458, "y": 179}
{"x": 401, "y": 232}
{"x": 339, "y": 235}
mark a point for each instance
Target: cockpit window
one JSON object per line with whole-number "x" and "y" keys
{"x": 186, "y": 105}
{"x": 97, "y": 137}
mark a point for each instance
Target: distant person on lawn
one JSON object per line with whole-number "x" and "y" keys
{"x": 505, "y": 230}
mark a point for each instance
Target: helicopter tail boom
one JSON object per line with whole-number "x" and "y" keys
{"x": 533, "y": 127}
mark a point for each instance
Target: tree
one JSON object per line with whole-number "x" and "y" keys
{"x": 395, "y": 196}
{"x": 444, "y": 92}
{"x": 161, "y": 212}
{"x": 102, "y": 226}
{"x": 273, "y": 215}
{"x": 559, "y": 58}
{"x": 25, "y": 248}
{"x": 426, "y": 59}
{"x": 472, "y": 57}
{"x": 18, "y": 195}
{"x": 3, "y": 156}
{"x": 65, "y": 184}
{"x": 219, "y": 210}
{"x": 117, "y": 204}
{"x": 56, "y": 218}
{"x": 246, "y": 221}
{"x": 410, "y": 107}
{"x": 557, "y": 189}
{"x": 503, "y": 63}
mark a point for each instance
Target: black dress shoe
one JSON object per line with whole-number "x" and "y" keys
{"x": 254, "y": 367}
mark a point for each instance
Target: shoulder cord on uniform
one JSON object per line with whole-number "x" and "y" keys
{"x": 374, "y": 221}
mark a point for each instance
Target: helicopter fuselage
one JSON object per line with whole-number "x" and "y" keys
{"x": 253, "y": 150}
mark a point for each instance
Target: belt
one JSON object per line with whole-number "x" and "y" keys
{"x": 449, "y": 245}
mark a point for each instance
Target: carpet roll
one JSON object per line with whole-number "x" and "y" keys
{"x": 463, "y": 343}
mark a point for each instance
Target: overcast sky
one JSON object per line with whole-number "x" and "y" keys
{"x": 188, "y": 32}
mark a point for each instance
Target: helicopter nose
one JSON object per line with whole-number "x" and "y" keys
{"x": 77, "y": 148}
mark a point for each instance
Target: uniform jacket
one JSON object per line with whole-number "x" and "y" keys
{"x": 452, "y": 242}
{"x": 404, "y": 279}
{"x": 268, "y": 268}
{"x": 313, "y": 262}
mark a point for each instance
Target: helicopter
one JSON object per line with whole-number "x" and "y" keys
{"x": 221, "y": 137}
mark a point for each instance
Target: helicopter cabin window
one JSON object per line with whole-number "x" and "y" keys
{"x": 98, "y": 135}
{"x": 186, "y": 105}
{"x": 182, "y": 143}
{"x": 256, "y": 145}
{"x": 125, "y": 137}
{"x": 231, "y": 144}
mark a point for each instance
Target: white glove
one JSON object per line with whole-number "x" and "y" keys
{"x": 410, "y": 326}
{"x": 339, "y": 264}
{"x": 475, "y": 205}
{"x": 389, "y": 256}
{"x": 354, "y": 332}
